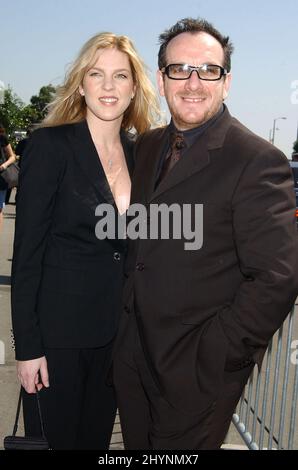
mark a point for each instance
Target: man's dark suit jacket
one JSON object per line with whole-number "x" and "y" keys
{"x": 214, "y": 309}
{"x": 66, "y": 283}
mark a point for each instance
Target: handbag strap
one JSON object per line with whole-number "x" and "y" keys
{"x": 40, "y": 415}
{"x": 15, "y": 428}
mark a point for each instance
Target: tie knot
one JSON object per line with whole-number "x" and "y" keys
{"x": 177, "y": 140}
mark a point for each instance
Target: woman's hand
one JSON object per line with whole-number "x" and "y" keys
{"x": 33, "y": 373}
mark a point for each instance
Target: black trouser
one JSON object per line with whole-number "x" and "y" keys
{"x": 148, "y": 421}
{"x": 79, "y": 407}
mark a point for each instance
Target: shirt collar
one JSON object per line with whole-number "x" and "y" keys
{"x": 191, "y": 135}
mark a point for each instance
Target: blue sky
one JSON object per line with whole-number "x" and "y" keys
{"x": 38, "y": 39}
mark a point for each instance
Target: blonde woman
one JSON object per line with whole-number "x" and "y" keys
{"x": 67, "y": 283}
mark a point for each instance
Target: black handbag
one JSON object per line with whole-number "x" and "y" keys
{"x": 26, "y": 442}
{"x": 11, "y": 175}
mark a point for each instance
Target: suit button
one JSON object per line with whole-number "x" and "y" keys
{"x": 117, "y": 256}
{"x": 126, "y": 309}
{"x": 140, "y": 267}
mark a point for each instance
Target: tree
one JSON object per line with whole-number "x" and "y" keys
{"x": 295, "y": 146}
{"x": 40, "y": 101}
{"x": 11, "y": 114}
{"x": 15, "y": 115}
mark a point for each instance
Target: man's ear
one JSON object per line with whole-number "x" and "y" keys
{"x": 160, "y": 82}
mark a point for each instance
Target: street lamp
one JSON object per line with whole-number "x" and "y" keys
{"x": 274, "y": 128}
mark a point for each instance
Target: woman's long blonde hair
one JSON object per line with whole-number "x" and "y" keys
{"x": 69, "y": 106}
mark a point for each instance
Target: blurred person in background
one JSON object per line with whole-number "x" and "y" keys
{"x": 7, "y": 157}
{"x": 20, "y": 149}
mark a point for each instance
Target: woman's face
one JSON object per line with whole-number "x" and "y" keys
{"x": 108, "y": 86}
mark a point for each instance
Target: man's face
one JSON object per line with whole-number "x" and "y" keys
{"x": 192, "y": 102}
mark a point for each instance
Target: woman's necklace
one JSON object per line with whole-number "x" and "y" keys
{"x": 112, "y": 165}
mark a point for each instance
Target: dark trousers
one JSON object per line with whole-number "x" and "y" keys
{"x": 149, "y": 421}
{"x": 79, "y": 406}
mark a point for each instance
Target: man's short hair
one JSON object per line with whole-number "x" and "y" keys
{"x": 192, "y": 25}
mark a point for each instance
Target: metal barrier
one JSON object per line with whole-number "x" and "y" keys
{"x": 266, "y": 414}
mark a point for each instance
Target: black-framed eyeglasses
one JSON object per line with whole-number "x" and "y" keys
{"x": 207, "y": 72}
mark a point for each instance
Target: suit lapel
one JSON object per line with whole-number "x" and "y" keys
{"x": 194, "y": 161}
{"x": 152, "y": 160}
{"x": 128, "y": 146}
{"x": 87, "y": 157}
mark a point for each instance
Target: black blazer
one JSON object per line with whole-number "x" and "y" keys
{"x": 200, "y": 312}
{"x": 66, "y": 283}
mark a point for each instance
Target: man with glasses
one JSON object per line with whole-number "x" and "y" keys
{"x": 196, "y": 321}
